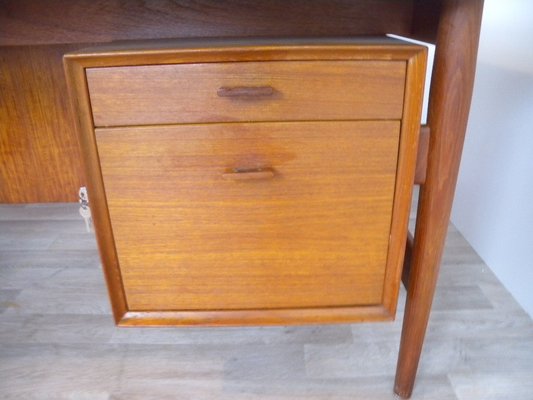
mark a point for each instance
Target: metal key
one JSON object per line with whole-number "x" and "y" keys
{"x": 85, "y": 210}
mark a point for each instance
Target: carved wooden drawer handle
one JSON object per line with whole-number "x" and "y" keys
{"x": 238, "y": 174}
{"x": 245, "y": 91}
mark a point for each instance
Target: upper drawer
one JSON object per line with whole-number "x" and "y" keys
{"x": 246, "y": 91}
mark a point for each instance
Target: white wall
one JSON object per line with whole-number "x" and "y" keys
{"x": 493, "y": 206}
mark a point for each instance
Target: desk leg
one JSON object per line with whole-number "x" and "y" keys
{"x": 451, "y": 92}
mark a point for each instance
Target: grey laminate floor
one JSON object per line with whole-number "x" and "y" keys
{"x": 58, "y": 341}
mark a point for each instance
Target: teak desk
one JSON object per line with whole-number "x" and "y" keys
{"x": 453, "y": 25}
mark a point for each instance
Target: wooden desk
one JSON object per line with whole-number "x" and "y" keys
{"x": 40, "y": 153}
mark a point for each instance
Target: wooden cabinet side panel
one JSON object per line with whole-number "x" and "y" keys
{"x": 77, "y": 87}
{"x": 409, "y": 141}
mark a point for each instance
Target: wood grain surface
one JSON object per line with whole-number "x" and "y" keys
{"x": 302, "y": 90}
{"x": 314, "y": 235}
{"x": 40, "y": 156}
{"x": 422, "y": 156}
{"x": 29, "y": 22}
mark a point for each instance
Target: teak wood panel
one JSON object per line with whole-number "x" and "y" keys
{"x": 295, "y": 90}
{"x": 30, "y": 22}
{"x": 315, "y": 234}
{"x": 40, "y": 155}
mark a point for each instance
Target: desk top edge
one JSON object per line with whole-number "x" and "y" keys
{"x": 131, "y": 47}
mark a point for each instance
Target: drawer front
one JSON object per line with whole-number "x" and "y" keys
{"x": 246, "y": 91}
{"x": 251, "y": 216}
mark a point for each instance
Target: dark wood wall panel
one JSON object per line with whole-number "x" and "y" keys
{"x": 39, "y": 150}
{"x": 25, "y": 22}
{"x": 425, "y": 23}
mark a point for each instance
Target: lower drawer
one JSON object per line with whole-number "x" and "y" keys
{"x": 251, "y": 216}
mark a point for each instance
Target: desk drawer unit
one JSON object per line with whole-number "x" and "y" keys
{"x": 250, "y": 183}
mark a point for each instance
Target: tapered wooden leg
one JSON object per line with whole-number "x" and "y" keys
{"x": 451, "y": 92}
